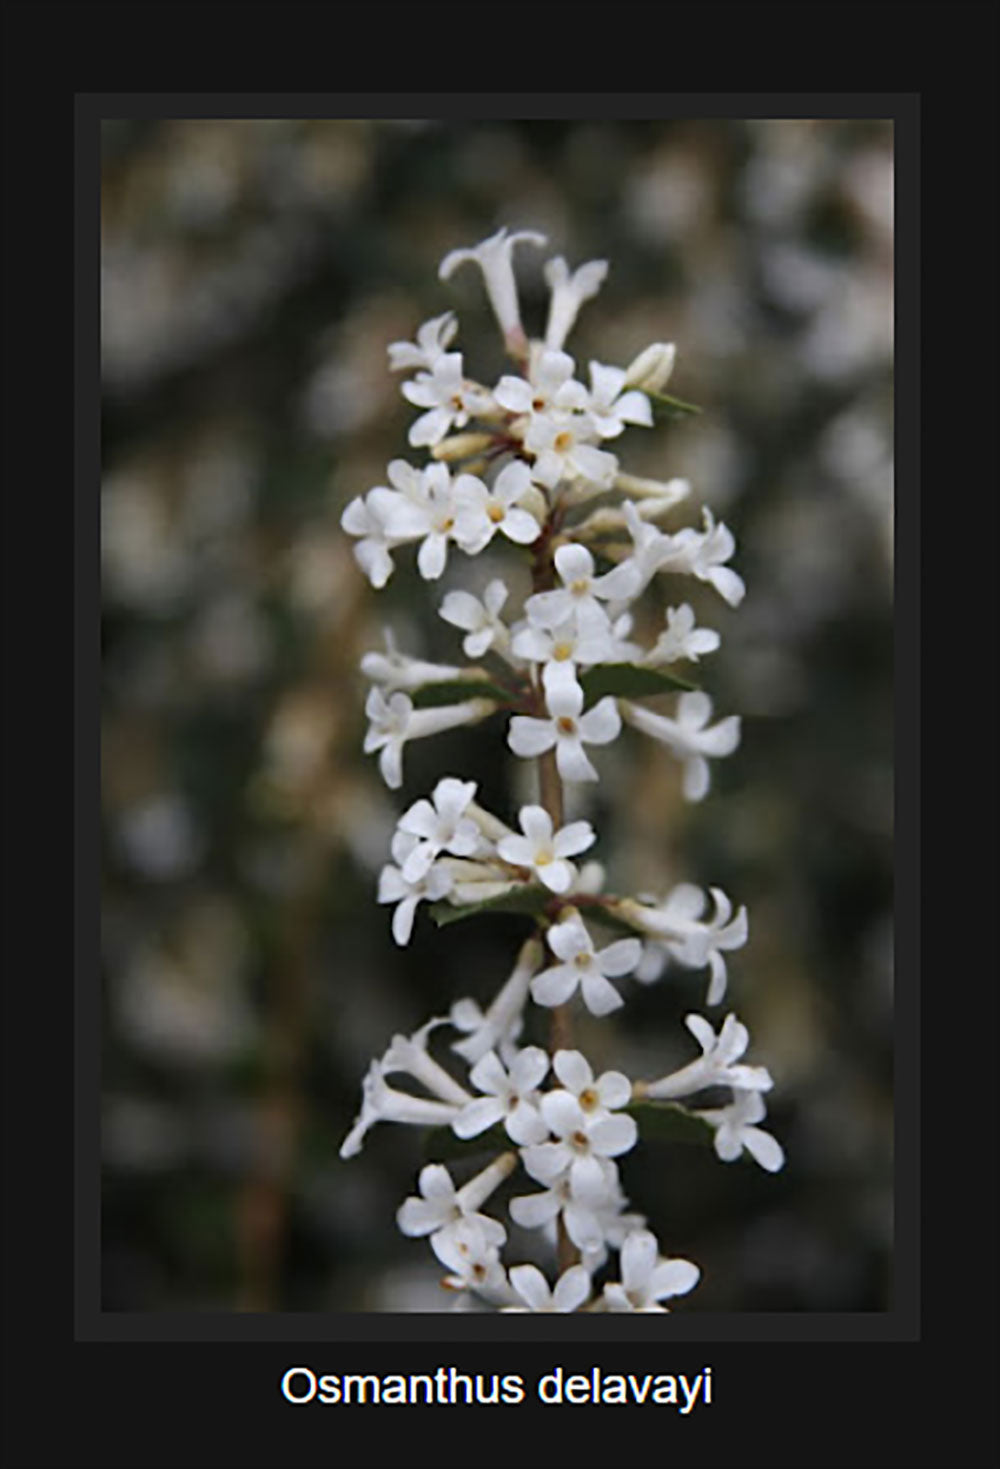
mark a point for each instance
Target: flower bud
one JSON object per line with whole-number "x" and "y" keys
{"x": 651, "y": 369}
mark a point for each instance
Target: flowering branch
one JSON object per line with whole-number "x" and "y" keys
{"x": 518, "y": 464}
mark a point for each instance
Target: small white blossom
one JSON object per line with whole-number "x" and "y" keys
{"x": 571, "y": 1289}
{"x": 581, "y": 593}
{"x": 569, "y": 291}
{"x": 440, "y": 827}
{"x": 702, "y": 554}
{"x": 548, "y": 388}
{"x": 610, "y": 405}
{"x": 716, "y": 1066}
{"x": 563, "y": 449}
{"x": 409, "y": 1054}
{"x": 479, "y": 619}
{"x": 567, "y": 730}
{"x": 432, "y": 342}
{"x": 441, "y": 1204}
{"x": 561, "y": 649}
{"x": 648, "y": 1278}
{"x": 383, "y": 1103}
{"x": 449, "y": 399}
{"x": 543, "y": 850}
{"x": 393, "y": 721}
{"x": 689, "y": 736}
{"x": 395, "y": 670}
{"x": 474, "y": 1262}
{"x": 585, "y": 967}
{"x": 493, "y": 256}
{"x": 735, "y": 1130}
{"x": 394, "y": 887}
{"x": 681, "y": 932}
{"x": 597, "y": 1098}
{"x": 681, "y": 640}
{"x": 511, "y": 1096}
{"x": 482, "y": 511}
{"x": 383, "y": 520}
{"x": 501, "y": 1024}
{"x": 586, "y": 1141}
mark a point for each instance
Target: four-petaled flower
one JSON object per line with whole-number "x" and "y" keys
{"x": 545, "y": 851}
{"x": 735, "y": 1129}
{"x": 511, "y": 1096}
{"x": 689, "y": 736}
{"x": 570, "y": 1291}
{"x": 585, "y": 967}
{"x": 440, "y": 827}
{"x": 567, "y": 729}
{"x": 648, "y": 1278}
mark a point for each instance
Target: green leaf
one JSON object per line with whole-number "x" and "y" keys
{"x": 668, "y": 1122}
{"x": 526, "y": 899}
{"x": 629, "y": 681}
{"x": 457, "y": 691}
{"x": 664, "y": 406}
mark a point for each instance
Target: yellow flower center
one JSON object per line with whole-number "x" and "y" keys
{"x": 496, "y": 513}
{"x": 567, "y": 725}
{"x": 562, "y": 651}
{"x": 562, "y": 442}
{"x": 589, "y": 1099}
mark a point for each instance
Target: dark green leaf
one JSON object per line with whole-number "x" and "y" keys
{"x": 527, "y": 899}
{"x": 457, "y": 691}
{"x": 627, "y": 681}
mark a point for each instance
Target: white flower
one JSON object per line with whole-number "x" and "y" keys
{"x": 511, "y": 1096}
{"x": 735, "y": 1130}
{"x": 584, "y": 966}
{"x": 449, "y": 399}
{"x": 581, "y": 593}
{"x": 689, "y": 736}
{"x": 702, "y": 554}
{"x": 582, "y": 1220}
{"x": 441, "y": 1204}
{"x": 560, "y": 649}
{"x": 586, "y": 1143}
{"x": 651, "y": 369}
{"x": 395, "y": 670}
{"x": 596, "y": 1098}
{"x": 716, "y": 1066}
{"x": 648, "y": 1278}
{"x": 480, "y": 620}
{"x": 393, "y": 721}
{"x": 610, "y": 406}
{"x": 567, "y": 729}
{"x": 482, "y": 511}
{"x": 409, "y": 1054}
{"x": 549, "y": 386}
{"x": 545, "y": 851}
{"x": 568, "y": 294}
{"x": 502, "y": 1022}
{"x": 393, "y": 887}
{"x": 474, "y": 1262}
{"x": 681, "y": 640}
{"x": 382, "y": 1103}
{"x": 425, "y": 507}
{"x": 681, "y": 933}
{"x": 441, "y": 827}
{"x": 432, "y": 342}
{"x": 493, "y": 256}
{"x": 563, "y": 450}
{"x": 571, "y": 1289}
{"x": 383, "y": 519}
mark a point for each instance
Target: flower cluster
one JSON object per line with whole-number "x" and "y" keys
{"x": 524, "y": 459}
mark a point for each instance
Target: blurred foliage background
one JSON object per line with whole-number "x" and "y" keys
{"x": 253, "y": 273}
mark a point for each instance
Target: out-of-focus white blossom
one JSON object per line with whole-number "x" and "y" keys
{"x": 493, "y": 256}
{"x": 735, "y": 1129}
{"x": 569, "y": 291}
{"x": 689, "y": 736}
{"x": 432, "y": 343}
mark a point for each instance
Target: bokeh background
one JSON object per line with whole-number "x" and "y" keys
{"x": 253, "y": 273}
